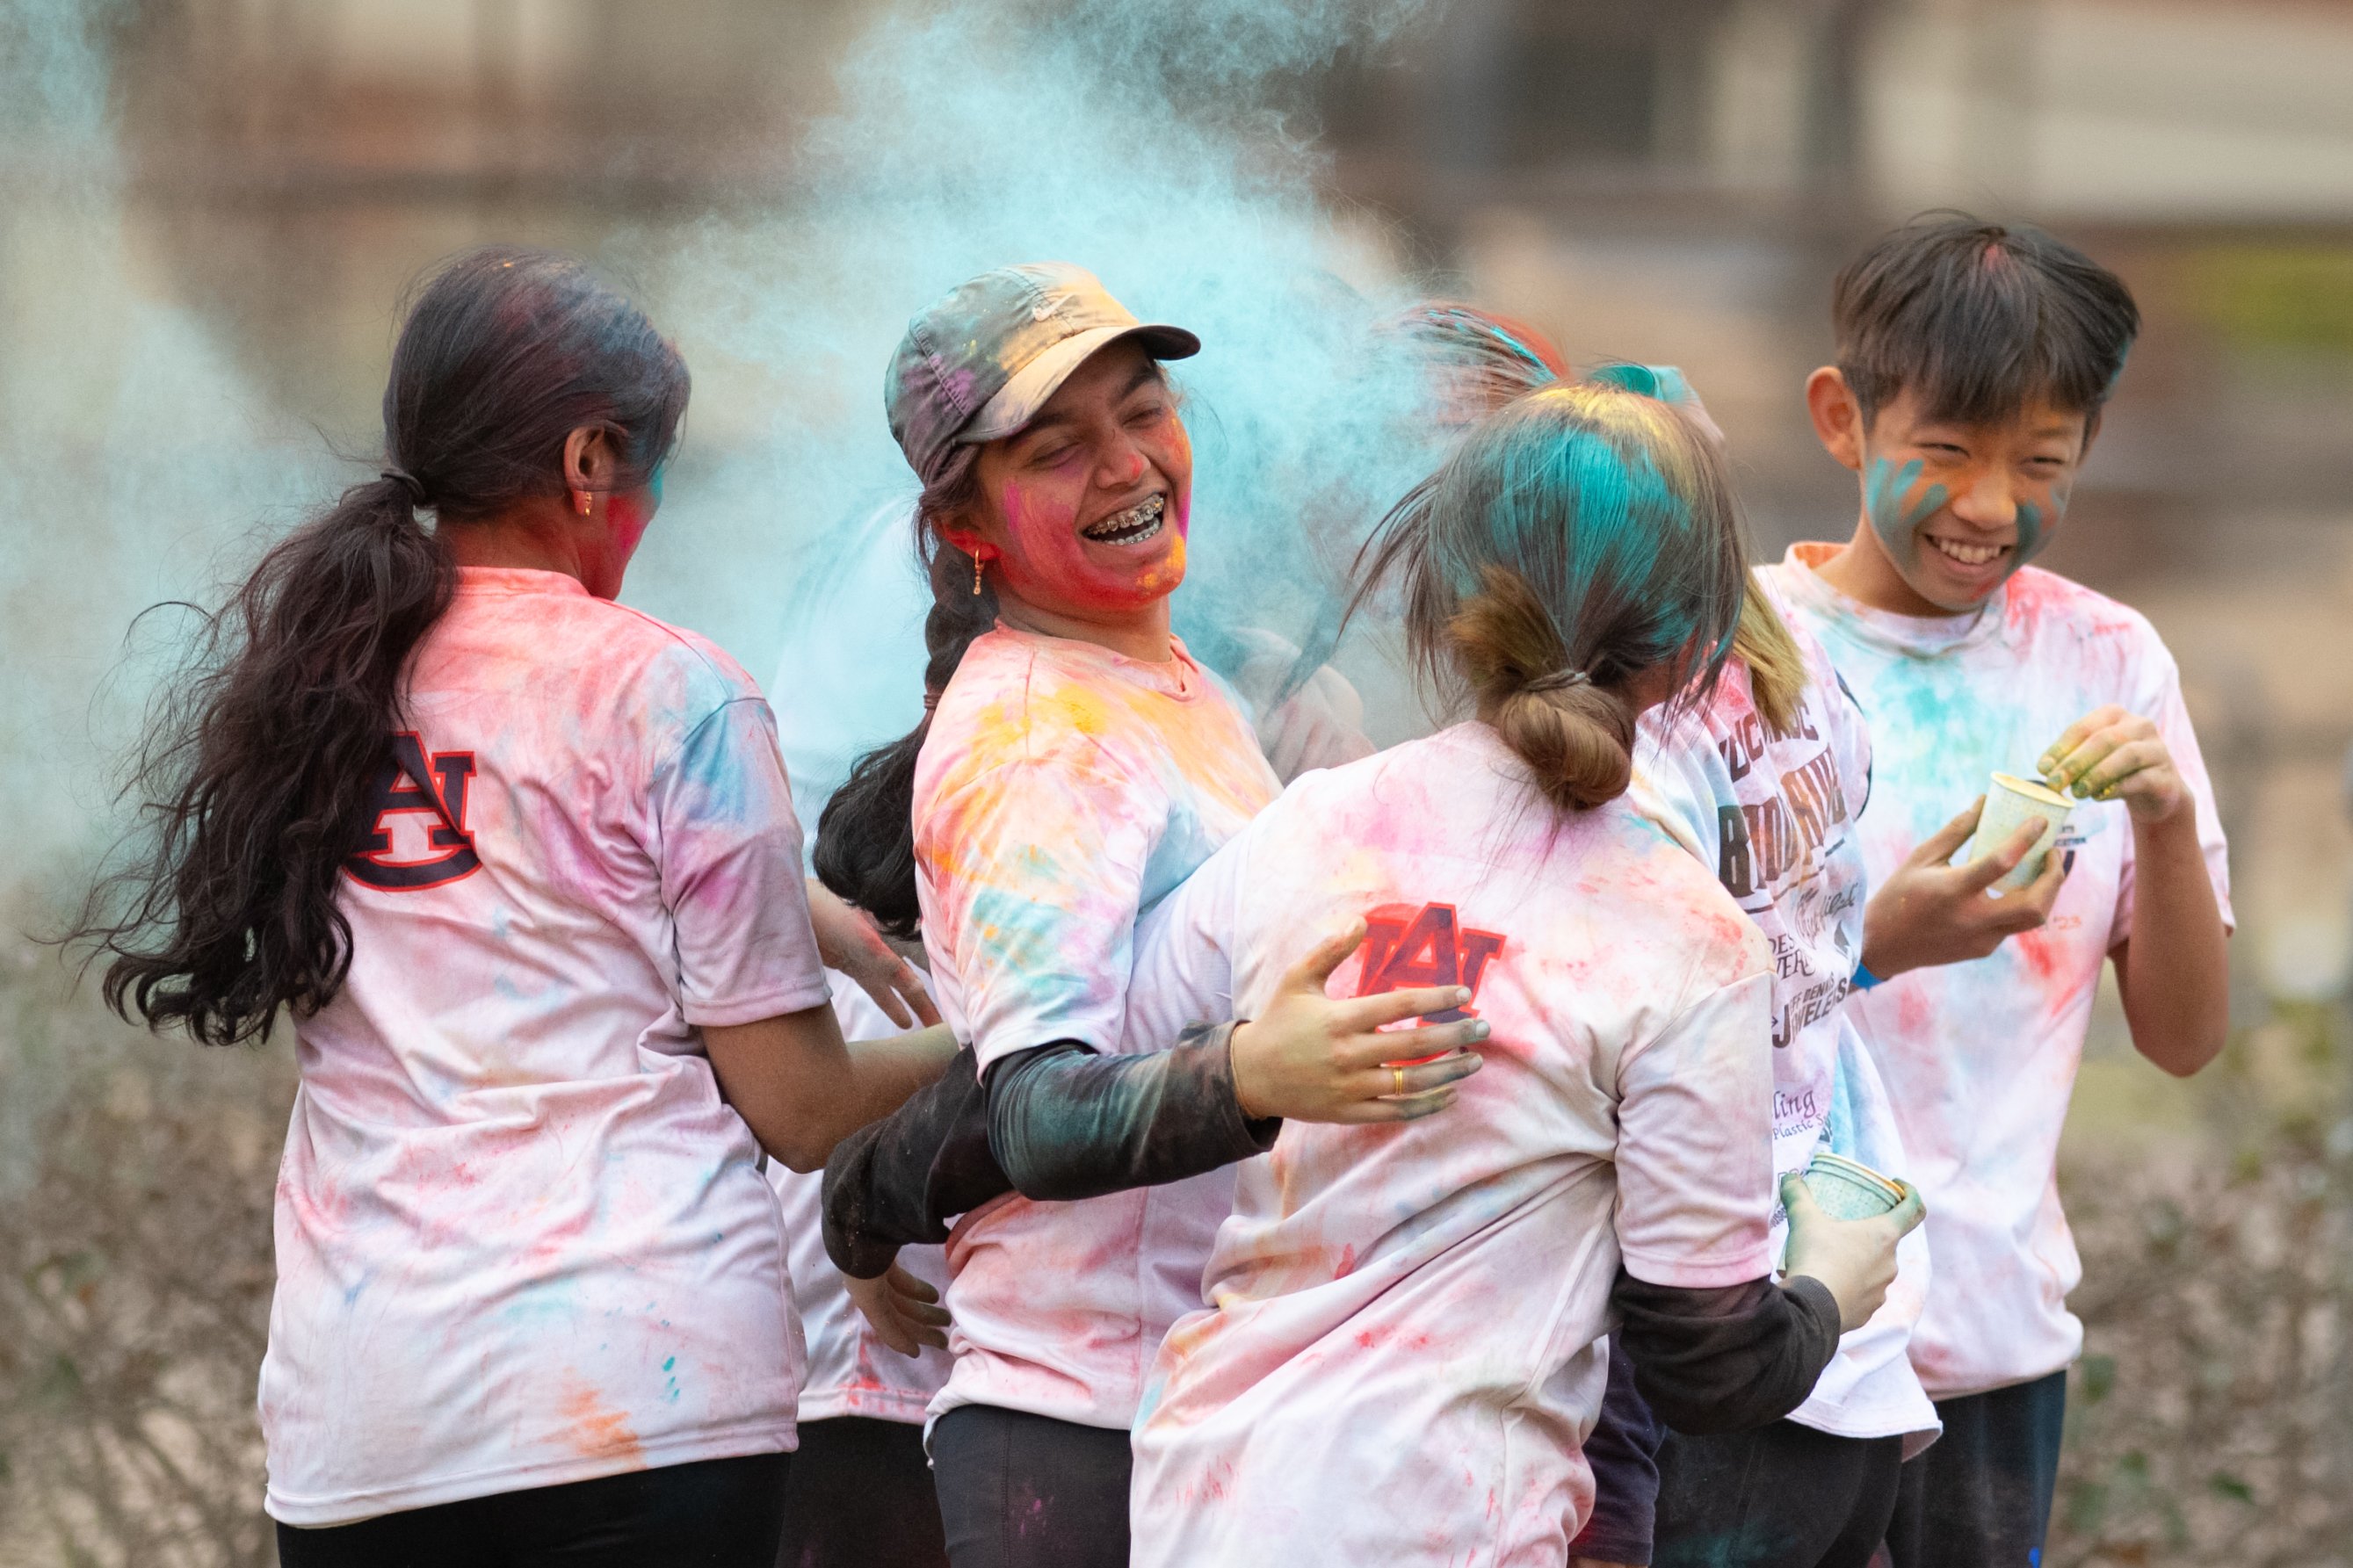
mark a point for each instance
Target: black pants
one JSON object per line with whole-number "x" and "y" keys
{"x": 716, "y": 1513}
{"x": 1980, "y": 1495}
{"x": 1783, "y": 1495}
{"x": 860, "y": 1497}
{"x": 1018, "y": 1491}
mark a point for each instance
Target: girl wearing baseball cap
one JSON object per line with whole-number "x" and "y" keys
{"x": 1077, "y": 766}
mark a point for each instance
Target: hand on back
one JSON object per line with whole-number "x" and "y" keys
{"x": 1309, "y": 1058}
{"x": 1855, "y": 1258}
{"x": 847, "y": 940}
{"x": 905, "y": 1313}
{"x": 1929, "y": 912}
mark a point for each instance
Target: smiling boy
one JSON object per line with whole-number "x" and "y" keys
{"x": 1973, "y": 360}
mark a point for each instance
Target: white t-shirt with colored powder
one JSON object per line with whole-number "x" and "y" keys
{"x": 1062, "y": 792}
{"x": 520, "y": 1239}
{"x": 1980, "y": 1057}
{"x": 1774, "y": 816}
{"x": 1400, "y": 1365}
{"x": 850, "y": 1372}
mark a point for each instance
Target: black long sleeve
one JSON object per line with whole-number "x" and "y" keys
{"x": 897, "y": 1182}
{"x": 1056, "y": 1122}
{"x": 1067, "y": 1123}
{"x": 1730, "y": 1359}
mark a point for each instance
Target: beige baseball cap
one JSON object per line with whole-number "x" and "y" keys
{"x": 980, "y": 362}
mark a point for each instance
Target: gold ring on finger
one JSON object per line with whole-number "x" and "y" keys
{"x": 1398, "y": 1073}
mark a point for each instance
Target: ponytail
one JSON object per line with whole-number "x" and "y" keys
{"x": 1578, "y": 738}
{"x": 273, "y": 745}
{"x": 1776, "y": 671}
{"x": 1580, "y": 538}
{"x": 260, "y": 764}
{"x": 866, "y": 834}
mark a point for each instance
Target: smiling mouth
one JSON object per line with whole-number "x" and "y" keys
{"x": 1133, "y": 526}
{"x": 1970, "y": 555}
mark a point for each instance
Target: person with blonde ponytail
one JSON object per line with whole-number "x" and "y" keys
{"x": 1400, "y": 1357}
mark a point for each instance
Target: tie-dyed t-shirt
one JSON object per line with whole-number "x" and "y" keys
{"x": 522, "y": 1241}
{"x": 1775, "y": 816}
{"x": 1399, "y": 1366}
{"x": 1980, "y": 1057}
{"x": 1062, "y": 791}
{"x": 850, "y": 1371}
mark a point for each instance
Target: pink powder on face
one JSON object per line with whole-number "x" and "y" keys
{"x": 1095, "y": 451}
{"x": 1048, "y": 563}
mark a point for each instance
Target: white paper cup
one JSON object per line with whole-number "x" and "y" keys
{"x": 2010, "y": 803}
{"x": 1849, "y": 1189}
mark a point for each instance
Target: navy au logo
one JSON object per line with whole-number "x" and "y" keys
{"x": 436, "y": 786}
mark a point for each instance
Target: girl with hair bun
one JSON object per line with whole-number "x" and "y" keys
{"x": 1400, "y": 1355}
{"x": 1764, "y": 781}
{"x": 520, "y": 867}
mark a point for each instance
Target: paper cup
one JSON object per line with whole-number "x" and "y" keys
{"x": 2010, "y": 803}
{"x": 1848, "y": 1189}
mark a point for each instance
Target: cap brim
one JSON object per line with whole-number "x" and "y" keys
{"x": 1017, "y": 402}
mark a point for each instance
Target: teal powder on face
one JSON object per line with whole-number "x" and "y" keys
{"x": 2034, "y": 527}
{"x": 1896, "y": 521}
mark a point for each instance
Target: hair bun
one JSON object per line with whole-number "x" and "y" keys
{"x": 1576, "y": 737}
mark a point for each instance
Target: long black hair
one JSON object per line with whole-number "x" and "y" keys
{"x": 258, "y": 762}
{"x": 866, "y": 834}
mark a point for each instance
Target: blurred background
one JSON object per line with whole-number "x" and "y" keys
{"x": 208, "y": 210}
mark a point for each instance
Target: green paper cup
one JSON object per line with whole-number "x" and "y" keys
{"x": 1848, "y": 1189}
{"x": 2010, "y": 803}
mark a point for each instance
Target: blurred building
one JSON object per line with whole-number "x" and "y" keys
{"x": 1668, "y": 179}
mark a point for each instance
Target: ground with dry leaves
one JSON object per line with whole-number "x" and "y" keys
{"x": 2211, "y": 1420}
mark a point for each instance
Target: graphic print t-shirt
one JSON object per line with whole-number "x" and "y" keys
{"x": 521, "y": 1240}
{"x": 1399, "y": 1365}
{"x": 1775, "y": 816}
{"x": 1980, "y": 1057}
{"x": 1062, "y": 791}
{"x": 850, "y": 1372}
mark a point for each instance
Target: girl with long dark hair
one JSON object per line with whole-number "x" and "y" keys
{"x": 1077, "y": 766}
{"x": 520, "y": 867}
{"x": 1402, "y": 1351}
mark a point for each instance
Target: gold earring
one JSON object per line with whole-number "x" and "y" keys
{"x": 975, "y": 577}
{"x": 580, "y": 500}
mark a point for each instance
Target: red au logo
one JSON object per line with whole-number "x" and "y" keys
{"x": 437, "y": 787}
{"x": 1405, "y": 947}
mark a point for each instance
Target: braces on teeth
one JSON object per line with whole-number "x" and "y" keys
{"x": 1137, "y": 522}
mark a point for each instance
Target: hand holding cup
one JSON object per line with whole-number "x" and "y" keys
{"x": 1853, "y": 1258}
{"x": 1929, "y": 912}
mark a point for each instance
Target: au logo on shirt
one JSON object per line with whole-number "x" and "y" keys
{"x": 1405, "y": 947}
{"x": 411, "y": 782}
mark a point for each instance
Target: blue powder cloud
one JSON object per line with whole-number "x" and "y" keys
{"x": 1142, "y": 138}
